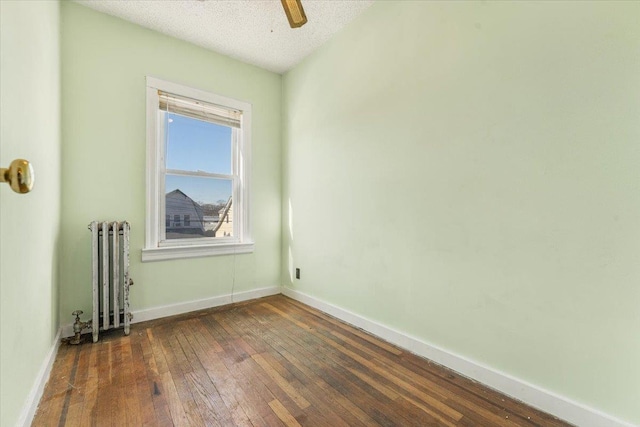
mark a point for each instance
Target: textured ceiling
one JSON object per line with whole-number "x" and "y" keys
{"x": 253, "y": 31}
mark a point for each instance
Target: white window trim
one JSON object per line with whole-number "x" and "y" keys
{"x": 156, "y": 250}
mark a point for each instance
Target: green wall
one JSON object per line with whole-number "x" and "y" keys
{"x": 104, "y": 64}
{"x": 30, "y": 223}
{"x": 469, "y": 173}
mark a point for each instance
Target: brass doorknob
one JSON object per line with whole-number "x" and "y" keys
{"x": 19, "y": 176}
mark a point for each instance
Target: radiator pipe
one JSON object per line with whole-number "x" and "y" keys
{"x": 78, "y": 326}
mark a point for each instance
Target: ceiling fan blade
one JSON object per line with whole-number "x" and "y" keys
{"x": 295, "y": 13}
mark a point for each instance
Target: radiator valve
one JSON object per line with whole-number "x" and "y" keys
{"x": 78, "y": 326}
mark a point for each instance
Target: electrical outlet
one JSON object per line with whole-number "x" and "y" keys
{"x": 297, "y": 273}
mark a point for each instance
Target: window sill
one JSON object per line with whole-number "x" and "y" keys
{"x": 180, "y": 252}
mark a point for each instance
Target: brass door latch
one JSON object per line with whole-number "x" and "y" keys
{"x": 19, "y": 176}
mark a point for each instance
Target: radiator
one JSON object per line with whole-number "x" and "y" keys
{"x": 111, "y": 280}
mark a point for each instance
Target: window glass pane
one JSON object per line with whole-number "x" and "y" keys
{"x": 199, "y": 207}
{"x": 196, "y": 145}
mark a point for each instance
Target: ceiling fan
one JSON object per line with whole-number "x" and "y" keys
{"x": 295, "y": 13}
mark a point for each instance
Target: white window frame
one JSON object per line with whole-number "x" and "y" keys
{"x": 156, "y": 246}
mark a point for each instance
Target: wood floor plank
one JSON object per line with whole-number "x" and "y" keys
{"x": 476, "y": 392}
{"x": 130, "y": 393}
{"x": 103, "y": 411}
{"x": 87, "y": 416}
{"x": 320, "y": 394}
{"x": 176, "y": 409}
{"x": 317, "y": 402}
{"x": 144, "y": 389}
{"x": 283, "y": 414}
{"x": 349, "y": 329}
{"x": 213, "y": 409}
{"x": 75, "y": 397}
{"x": 472, "y": 393}
{"x": 229, "y": 390}
{"x": 118, "y": 415}
{"x": 178, "y": 370}
{"x": 408, "y": 384}
{"x": 367, "y": 398}
{"x": 319, "y": 411}
{"x": 333, "y": 367}
{"x": 255, "y": 388}
{"x": 287, "y": 394}
{"x": 52, "y": 402}
{"x": 431, "y": 405}
{"x": 269, "y": 362}
{"x": 159, "y": 411}
{"x": 282, "y": 383}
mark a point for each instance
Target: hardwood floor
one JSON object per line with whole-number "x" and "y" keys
{"x": 267, "y": 362}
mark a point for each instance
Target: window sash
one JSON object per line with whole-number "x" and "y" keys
{"x": 163, "y": 172}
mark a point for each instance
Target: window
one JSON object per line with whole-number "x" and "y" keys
{"x": 198, "y": 154}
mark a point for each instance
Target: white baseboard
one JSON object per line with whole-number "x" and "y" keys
{"x": 188, "y": 306}
{"x": 547, "y": 401}
{"x": 33, "y": 399}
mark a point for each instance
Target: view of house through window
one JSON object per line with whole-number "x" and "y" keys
{"x": 198, "y": 178}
